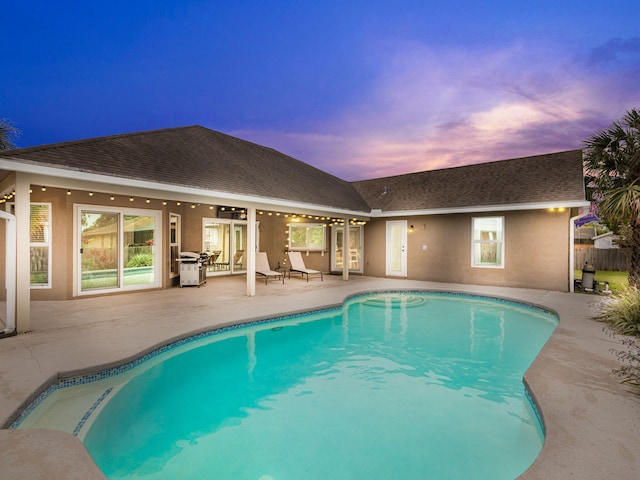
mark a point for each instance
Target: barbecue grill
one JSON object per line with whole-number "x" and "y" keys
{"x": 193, "y": 269}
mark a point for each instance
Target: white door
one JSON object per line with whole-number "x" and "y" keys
{"x": 396, "y": 248}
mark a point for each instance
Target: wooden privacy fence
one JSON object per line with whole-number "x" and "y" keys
{"x": 611, "y": 259}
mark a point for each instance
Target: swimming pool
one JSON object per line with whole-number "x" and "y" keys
{"x": 407, "y": 385}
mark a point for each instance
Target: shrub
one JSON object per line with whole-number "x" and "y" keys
{"x": 622, "y": 312}
{"x": 140, "y": 260}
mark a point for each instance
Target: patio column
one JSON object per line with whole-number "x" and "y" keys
{"x": 346, "y": 255}
{"x": 251, "y": 252}
{"x": 23, "y": 253}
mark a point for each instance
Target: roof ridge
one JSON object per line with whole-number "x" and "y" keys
{"x": 52, "y": 146}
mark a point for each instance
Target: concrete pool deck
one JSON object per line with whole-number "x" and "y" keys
{"x": 592, "y": 420}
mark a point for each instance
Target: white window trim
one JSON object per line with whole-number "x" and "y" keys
{"x": 178, "y": 242}
{"x": 48, "y": 243}
{"x": 335, "y": 246}
{"x": 308, "y": 248}
{"x": 500, "y": 242}
{"x": 232, "y": 240}
{"x": 122, "y": 211}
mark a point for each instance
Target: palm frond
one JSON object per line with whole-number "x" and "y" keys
{"x": 621, "y": 205}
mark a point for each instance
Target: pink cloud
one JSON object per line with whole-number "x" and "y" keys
{"x": 435, "y": 108}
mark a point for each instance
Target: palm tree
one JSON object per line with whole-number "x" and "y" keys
{"x": 7, "y": 133}
{"x": 612, "y": 163}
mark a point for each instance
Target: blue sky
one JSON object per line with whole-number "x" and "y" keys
{"x": 360, "y": 89}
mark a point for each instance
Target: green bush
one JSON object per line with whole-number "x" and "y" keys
{"x": 622, "y": 312}
{"x": 140, "y": 260}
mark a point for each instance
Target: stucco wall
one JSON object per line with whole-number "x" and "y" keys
{"x": 273, "y": 240}
{"x": 61, "y": 274}
{"x": 536, "y": 250}
{"x": 63, "y": 231}
{"x": 536, "y": 244}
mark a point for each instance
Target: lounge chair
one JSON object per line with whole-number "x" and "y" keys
{"x": 297, "y": 265}
{"x": 237, "y": 259}
{"x": 262, "y": 267}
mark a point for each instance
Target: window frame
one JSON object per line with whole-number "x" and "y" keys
{"x": 307, "y": 247}
{"x": 478, "y": 242}
{"x": 174, "y": 265}
{"x": 122, "y": 212}
{"x": 48, "y": 241}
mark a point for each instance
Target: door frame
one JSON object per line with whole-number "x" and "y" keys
{"x": 232, "y": 242}
{"x": 334, "y": 248}
{"x": 157, "y": 248}
{"x": 395, "y": 246}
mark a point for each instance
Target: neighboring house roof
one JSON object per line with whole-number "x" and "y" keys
{"x": 197, "y": 157}
{"x": 603, "y": 235}
{"x": 606, "y": 241}
{"x": 552, "y": 178}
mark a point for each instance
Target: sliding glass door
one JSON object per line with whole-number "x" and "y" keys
{"x": 118, "y": 249}
{"x": 354, "y": 255}
{"x": 226, "y": 243}
{"x": 100, "y": 250}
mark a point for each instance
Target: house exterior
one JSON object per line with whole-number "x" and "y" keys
{"x": 605, "y": 241}
{"x": 112, "y": 214}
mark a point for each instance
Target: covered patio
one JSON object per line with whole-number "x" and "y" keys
{"x": 590, "y": 418}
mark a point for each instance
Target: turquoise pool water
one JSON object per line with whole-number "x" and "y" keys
{"x": 395, "y": 385}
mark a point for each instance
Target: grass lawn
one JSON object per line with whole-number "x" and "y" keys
{"x": 617, "y": 280}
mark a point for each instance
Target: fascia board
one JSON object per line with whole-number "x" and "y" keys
{"x": 74, "y": 179}
{"x": 483, "y": 208}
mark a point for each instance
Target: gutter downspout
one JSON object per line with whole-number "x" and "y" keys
{"x": 572, "y": 253}
{"x": 10, "y": 270}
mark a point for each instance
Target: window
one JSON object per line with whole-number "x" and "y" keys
{"x": 488, "y": 242}
{"x": 174, "y": 244}
{"x": 39, "y": 243}
{"x": 306, "y": 236}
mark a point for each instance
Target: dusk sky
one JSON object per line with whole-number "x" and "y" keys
{"x": 360, "y": 89}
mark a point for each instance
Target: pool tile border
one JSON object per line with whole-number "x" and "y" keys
{"x": 89, "y": 412}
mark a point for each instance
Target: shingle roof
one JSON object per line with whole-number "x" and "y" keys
{"x": 556, "y": 177}
{"x": 200, "y": 158}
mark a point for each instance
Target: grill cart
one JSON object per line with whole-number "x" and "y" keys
{"x": 193, "y": 268}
